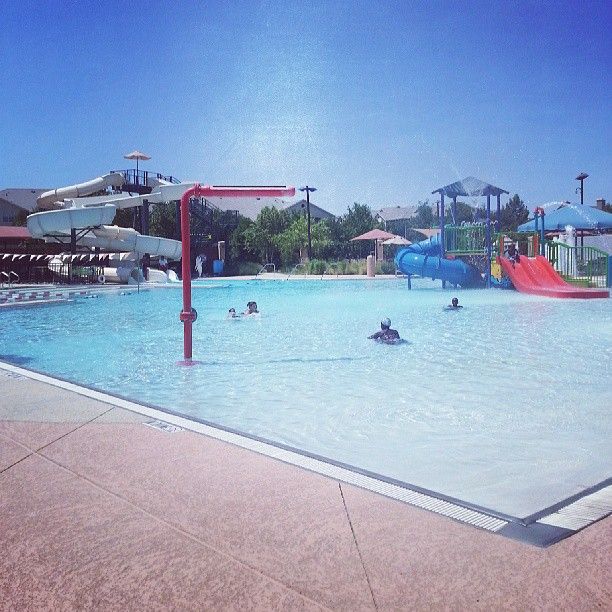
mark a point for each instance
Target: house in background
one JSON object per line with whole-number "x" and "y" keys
{"x": 397, "y": 219}
{"x": 251, "y": 207}
{"x": 15, "y": 202}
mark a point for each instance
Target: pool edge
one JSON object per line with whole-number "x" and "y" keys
{"x": 541, "y": 529}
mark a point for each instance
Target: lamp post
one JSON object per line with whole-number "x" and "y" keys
{"x": 308, "y": 191}
{"x": 581, "y": 178}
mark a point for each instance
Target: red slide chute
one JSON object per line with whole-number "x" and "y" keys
{"x": 535, "y": 275}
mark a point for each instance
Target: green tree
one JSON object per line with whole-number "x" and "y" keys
{"x": 513, "y": 214}
{"x": 293, "y": 242}
{"x": 260, "y": 236}
{"x": 238, "y": 250}
{"x": 358, "y": 220}
{"x": 162, "y": 220}
{"x": 424, "y": 216}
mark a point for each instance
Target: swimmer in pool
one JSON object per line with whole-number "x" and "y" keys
{"x": 251, "y": 309}
{"x": 231, "y": 314}
{"x": 454, "y": 305}
{"x": 386, "y": 334}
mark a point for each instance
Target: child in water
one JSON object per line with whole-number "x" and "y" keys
{"x": 454, "y": 305}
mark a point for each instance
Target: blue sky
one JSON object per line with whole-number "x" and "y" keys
{"x": 369, "y": 101}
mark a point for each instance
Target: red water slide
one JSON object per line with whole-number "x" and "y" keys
{"x": 535, "y": 275}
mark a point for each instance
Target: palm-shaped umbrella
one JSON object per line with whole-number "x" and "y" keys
{"x": 137, "y": 155}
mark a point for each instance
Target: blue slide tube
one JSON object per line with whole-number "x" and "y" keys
{"x": 422, "y": 258}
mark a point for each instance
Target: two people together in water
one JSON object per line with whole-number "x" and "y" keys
{"x": 250, "y": 310}
{"x": 387, "y": 335}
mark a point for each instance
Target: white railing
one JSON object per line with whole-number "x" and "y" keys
{"x": 265, "y": 267}
{"x": 300, "y": 265}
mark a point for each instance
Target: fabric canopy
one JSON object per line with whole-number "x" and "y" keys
{"x": 136, "y": 155}
{"x": 469, "y": 186}
{"x": 375, "y": 234}
{"x": 579, "y": 217}
{"x": 397, "y": 240}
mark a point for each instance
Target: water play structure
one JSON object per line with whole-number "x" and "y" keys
{"x": 86, "y": 220}
{"x": 472, "y": 255}
{"x": 423, "y": 258}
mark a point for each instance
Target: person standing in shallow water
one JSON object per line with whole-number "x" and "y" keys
{"x": 386, "y": 334}
{"x": 251, "y": 309}
{"x": 454, "y": 305}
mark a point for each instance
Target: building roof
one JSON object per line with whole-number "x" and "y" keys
{"x": 315, "y": 211}
{"x": 14, "y": 233}
{"x": 24, "y": 198}
{"x": 397, "y": 213}
{"x": 251, "y": 207}
{"x": 469, "y": 186}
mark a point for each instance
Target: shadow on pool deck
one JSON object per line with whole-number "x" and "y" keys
{"x": 97, "y": 510}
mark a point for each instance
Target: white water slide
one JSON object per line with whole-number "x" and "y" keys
{"x": 91, "y": 216}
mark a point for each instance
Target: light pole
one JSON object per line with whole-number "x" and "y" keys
{"x": 308, "y": 191}
{"x": 581, "y": 178}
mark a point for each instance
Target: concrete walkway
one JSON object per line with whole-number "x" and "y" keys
{"x": 100, "y": 511}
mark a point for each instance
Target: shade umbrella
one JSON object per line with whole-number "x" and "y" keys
{"x": 137, "y": 155}
{"x": 397, "y": 240}
{"x": 377, "y": 235}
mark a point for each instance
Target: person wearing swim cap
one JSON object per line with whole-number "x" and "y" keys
{"x": 386, "y": 334}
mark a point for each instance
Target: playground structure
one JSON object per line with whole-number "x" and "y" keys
{"x": 474, "y": 255}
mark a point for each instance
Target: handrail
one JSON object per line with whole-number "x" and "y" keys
{"x": 8, "y": 275}
{"x": 265, "y": 267}
{"x": 581, "y": 265}
{"x": 299, "y": 265}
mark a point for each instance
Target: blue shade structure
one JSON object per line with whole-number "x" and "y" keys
{"x": 579, "y": 217}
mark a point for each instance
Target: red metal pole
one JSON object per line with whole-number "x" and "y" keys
{"x": 188, "y": 314}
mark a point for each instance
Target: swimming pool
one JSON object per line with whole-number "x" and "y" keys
{"x": 504, "y": 404}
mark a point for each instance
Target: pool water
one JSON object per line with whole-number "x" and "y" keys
{"x": 504, "y": 403}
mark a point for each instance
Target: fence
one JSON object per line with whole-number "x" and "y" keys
{"x": 24, "y": 269}
{"x": 580, "y": 265}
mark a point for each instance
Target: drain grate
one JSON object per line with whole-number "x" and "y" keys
{"x": 163, "y": 426}
{"x": 582, "y": 512}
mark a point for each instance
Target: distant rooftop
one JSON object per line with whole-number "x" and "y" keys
{"x": 251, "y": 207}
{"x": 23, "y": 198}
{"x": 397, "y": 213}
{"x": 14, "y": 233}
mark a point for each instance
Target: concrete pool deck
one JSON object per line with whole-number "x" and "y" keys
{"x": 99, "y": 510}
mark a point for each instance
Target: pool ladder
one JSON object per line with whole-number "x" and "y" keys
{"x": 8, "y": 275}
{"x": 299, "y": 265}
{"x": 265, "y": 267}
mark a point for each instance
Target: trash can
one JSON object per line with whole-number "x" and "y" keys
{"x": 217, "y": 267}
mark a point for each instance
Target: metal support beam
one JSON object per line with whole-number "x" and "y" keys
{"x": 144, "y": 220}
{"x": 488, "y": 241}
{"x": 442, "y": 231}
{"x": 498, "y": 215}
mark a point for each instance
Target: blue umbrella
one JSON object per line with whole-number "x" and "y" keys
{"x": 579, "y": 217}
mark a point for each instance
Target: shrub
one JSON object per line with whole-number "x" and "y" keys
{"x": 385, "y": 267}
{"x": 244, "y": 268}
{"x": 316, "y": 266}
